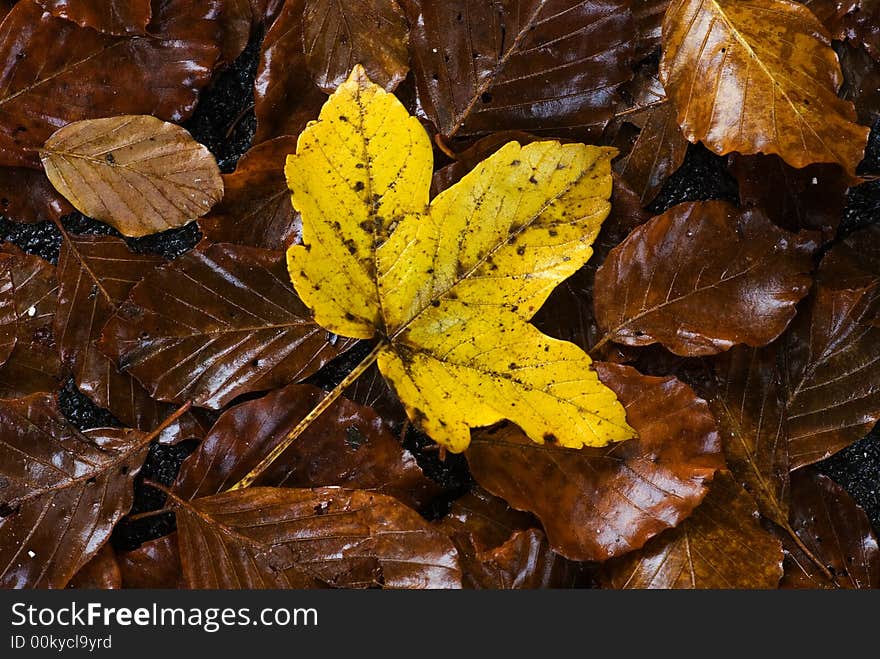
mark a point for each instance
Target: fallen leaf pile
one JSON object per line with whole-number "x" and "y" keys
{"x": 445, "y": 324}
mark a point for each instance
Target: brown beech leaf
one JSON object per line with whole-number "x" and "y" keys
{"x": 33, "y": 365}
{"x": 758, "y": 77}
{"x": 748, "y": 404}
{"x": 109, "y": 16}
{"x": 832, "y": 373}
{"x": 810, "y": 198}
{"x": 216, "y": 323}
{"x": 95, "y": 275}
{"x": 102, "y": 572}
{"x": 721, "y": 545}
{"x": 596, "y": 503}
{"x": 648, "y": 15}
{"x": 525, "y": 561}
{"x": 136, "y": 173}
{"x": 658, "y": 151}
{"x": 256, "y": 208}
{"x": 8, "y": 314}
{"x": 835, "y": 530}
{"x": 702, "y": 277}
{"x": 285, "y": 97}
{"x": 62, "y": 491}
{"x": 542, "y": 66}
{"x": 263, "y": 537}
{"x": 155, "y": 564}
{"x": 27, "y": 196}
{"x": 855, "y": 20}
{"x": 339, "y": 35}
{"x": 52, "y": 61}
{"x": 862, "y": 87}
{"x": 500, "y": 547}
{"x": 348, "y": 445}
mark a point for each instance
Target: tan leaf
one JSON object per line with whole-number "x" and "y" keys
{"x": 135, "y": 172}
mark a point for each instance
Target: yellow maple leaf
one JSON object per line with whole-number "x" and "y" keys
{"x": 449, "y": 286}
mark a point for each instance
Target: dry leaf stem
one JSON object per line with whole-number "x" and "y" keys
{"x": 318, "y": 410}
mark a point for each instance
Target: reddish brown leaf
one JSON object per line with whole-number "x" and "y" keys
{"x": 285, "y": 98}
{"x": 658, "y": 151}
{"x": 832, "y": 373}
{"x": 526, "y": 561}
{"x": 102, "y": 572}
{"x": 339, "y": 35}
{"x": 61, "y": 491}
{"x": 701, "y": 278}
{"x": 33, "y": 366}
{"x": 520, "y": 65}
{"x": 28, "y": 196}
{"x": 500, "y": 547}
{"x": 748, "y": 404}
{"x": 599, "y": 503}
{"x": 862, "y": 87}
{"x": 109, "y": 16}
{"x": 855, "y": 20}
{"x": 348, "y": 445}
{"x": 721, "y": 545}
{"x": 256, "y": 208}
{"x": 269, "y": 537}
{"x": 95, "y": 275}
{"x": 810, "y": 198}
{"x": 8, "y": 315}
{"x": 216, "y": 323}
{"x": 834, "y": 529}
{"x": 648, "y": 16}
{"x": 155, "y": 564}
{"x": 51, "y": 61}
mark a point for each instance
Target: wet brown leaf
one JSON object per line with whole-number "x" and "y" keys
{"x": 855, "y": 20}
{"x": 721, "y": 545}
{"x": 862, "y": 87}
{"x": 216, "y": 323}
{"x": 27, "y": 196}
{"x": 811, "y": 198}
{"x": 256, "y": 208}
{"x": 658, "y": 151}
{"x": 95, "y": 275}
{"x": 599, "y": 503}
{"x": 701, "y": 278}
{"x": 8, "y": 315}
{"x": 520, "y": 65}
{"x": 63, "y": 491}
{"x": 748, "y": 404}
{"x": 648, "y": 15}
{"x": 102, "y": 572}
{"x": 136, "y": 173}
{"x": 348, "y": 445}
{"x": 832, "y": 373}
{"x": 526, "y": 561}
{"x": 285, "y": 98}
{"x": 264, "y": 537}
{"x": 338, "y": 35}
{"x": 834, "y": 529}
{"x": 119, "y": 17}
{"x": 371, "y": 390}
{"x": 155, "y": 564}
{"x": 758, "y": 77}
{"x": 33, "y": 365}
{"x": 59, "y": 72}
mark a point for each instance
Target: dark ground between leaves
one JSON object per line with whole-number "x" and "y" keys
{"x": 224, "y": 121}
